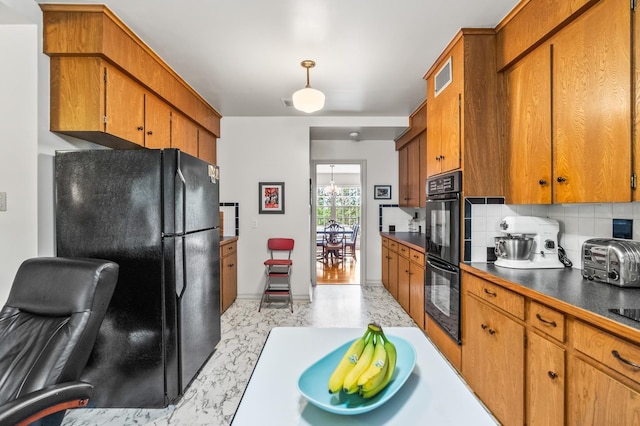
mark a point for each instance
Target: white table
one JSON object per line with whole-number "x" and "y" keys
{"x": 434, "y": 394}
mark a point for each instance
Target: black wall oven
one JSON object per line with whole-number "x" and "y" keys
{"x": 442, "y": 274}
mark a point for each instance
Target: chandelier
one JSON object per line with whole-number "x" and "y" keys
{"x": 308, "y": 99}
{"x": 331, "y": 189}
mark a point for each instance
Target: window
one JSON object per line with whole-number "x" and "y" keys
{"x": 347, "y": 206}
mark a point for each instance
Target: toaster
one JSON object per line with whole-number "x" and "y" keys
{"x": 612, "y": 261}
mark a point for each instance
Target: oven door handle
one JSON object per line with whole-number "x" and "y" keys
{"x": 447, "y": 268}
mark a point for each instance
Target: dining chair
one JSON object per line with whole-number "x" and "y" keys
{"x": 350, "y": 244}
{"x": 334, "y": 243}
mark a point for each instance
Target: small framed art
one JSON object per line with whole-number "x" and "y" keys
{"x": 381, "y": 192}
{"x": 271, "y": 197}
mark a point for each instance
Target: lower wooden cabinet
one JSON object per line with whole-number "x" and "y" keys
{"x": 604, "y": 386}
{"x": 385, "y": 263}
{"x": 416, "y": 287}
{"x": 493, "y": 359}
{"x": 393, "y": 269}
{"x": 548, "y": 367}
{"x": 545, "y": 382}
{"x": 228, "y": 273}
{"x": 404, "y": 278}
{"x": 596, "y": 398}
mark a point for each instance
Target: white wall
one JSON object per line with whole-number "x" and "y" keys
{"x": 277, "y": 149}
{"x": 18, "y": 143}
{"x": 27, "y": 147}
{"x": 381, "y": 169}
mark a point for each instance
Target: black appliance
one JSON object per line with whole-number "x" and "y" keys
{"x": 156, "y": 214}
{"x": 442, "y": 274}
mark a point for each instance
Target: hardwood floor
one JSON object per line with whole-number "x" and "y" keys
{"x": 345, "y": 272}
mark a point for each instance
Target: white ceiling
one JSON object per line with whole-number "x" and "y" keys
{"x": 243, "y": 56}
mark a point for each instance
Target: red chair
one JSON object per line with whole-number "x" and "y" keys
{"x": 278, "y": 271}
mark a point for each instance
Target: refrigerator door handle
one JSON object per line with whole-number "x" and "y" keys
{"x": 183, "y": 193}
{"x": 180, "y": 272}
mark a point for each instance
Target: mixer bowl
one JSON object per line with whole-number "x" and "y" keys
{"x": 513, "y": 247}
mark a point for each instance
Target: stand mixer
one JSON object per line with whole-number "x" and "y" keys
{"x": 531, "y": 242}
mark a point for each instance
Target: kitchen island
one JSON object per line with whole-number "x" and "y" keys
{"x": 433, "y": 394}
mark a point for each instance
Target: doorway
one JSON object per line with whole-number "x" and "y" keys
{"x": 337, "y": 197}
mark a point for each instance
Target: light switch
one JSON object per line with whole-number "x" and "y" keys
{"x": 3, "y": 201}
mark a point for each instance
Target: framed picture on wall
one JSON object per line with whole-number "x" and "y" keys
{"x": 271, "y": 197}
{"x": 381, "y": 192}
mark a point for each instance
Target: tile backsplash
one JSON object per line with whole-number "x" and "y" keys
{"x": 400, "y": 217}
{"x": 578, "y": 222}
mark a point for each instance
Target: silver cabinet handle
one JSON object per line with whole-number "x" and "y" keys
{"x": 625, "y": 361}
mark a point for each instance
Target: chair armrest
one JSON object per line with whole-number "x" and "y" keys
{"x": 46, "y": 401}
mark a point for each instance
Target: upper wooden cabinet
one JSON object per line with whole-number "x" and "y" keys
{"x": 412, "y": 173}
{"x": 110, "y": 88}
{"x": 412, "y": 160}
{"x": 184, "y": 134}
{"x": 569, "y": 113}
{"x": 528, "y": 89}
{"x": 207, "y": 146}
{"x": 462, "y": 118}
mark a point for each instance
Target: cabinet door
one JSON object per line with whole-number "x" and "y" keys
{"x": 545, "y": 382}
{"x": 157, "y": 119}
{"x": 403, "y": 175}
{"x": 206, "y": 146}
{"x": 124, "y": 105}
{"x": 434, "y": 134}
{"x": 528, "y": 86}
{"x": 416, "y": 293}
{"x": 404, "y": 275}
{"x": 592, "y": 107}
{"x": 413, "y": 173}
{"x": 595, "y": 398}
{"x": 184, "y": 134}
{"x": 422, "y": 179}
{"x": 393, "y": 274}
{"x": 229, "y": 280}
{"x": 493, "y": 360}
{"x": 385, "y": 267}
{"x": 450, "y": 130}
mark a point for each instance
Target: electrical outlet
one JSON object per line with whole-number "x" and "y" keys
{"x": 254, "y": 224}
{"x": 3, "y": 201}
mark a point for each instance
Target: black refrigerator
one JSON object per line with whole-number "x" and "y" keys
{"x": 155, "y": 213}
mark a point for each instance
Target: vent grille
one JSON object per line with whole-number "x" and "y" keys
{"x": 443, "y": 78}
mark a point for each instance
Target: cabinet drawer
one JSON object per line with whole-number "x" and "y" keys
{"x": 393, "y": 245}
{"x": 385, "y": 242}
{"x": 607, "y": 349}
{"x": 416, "y": 257}
{"x": 403, "y": 250}
{"x": 500, "y": 297}
{"x": 228, "y": 249}
{"x": 547, "y": 320}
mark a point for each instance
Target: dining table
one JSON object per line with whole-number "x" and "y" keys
{"x": 433, "y": 393}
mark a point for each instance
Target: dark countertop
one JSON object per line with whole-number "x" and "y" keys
{"x": 415, "y": 239}
{"x": 567, "y": 286}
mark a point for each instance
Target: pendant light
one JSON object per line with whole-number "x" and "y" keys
{"x": 332, "y": 189}
{"x": 308, "y": 99}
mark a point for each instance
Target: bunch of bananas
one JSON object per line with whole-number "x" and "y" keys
{"x": 367, "y": 366}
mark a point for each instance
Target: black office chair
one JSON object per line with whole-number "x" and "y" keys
{"x": 47, "y": 330}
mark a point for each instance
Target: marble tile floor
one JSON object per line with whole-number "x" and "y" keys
{"x": 215, "y": 393}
